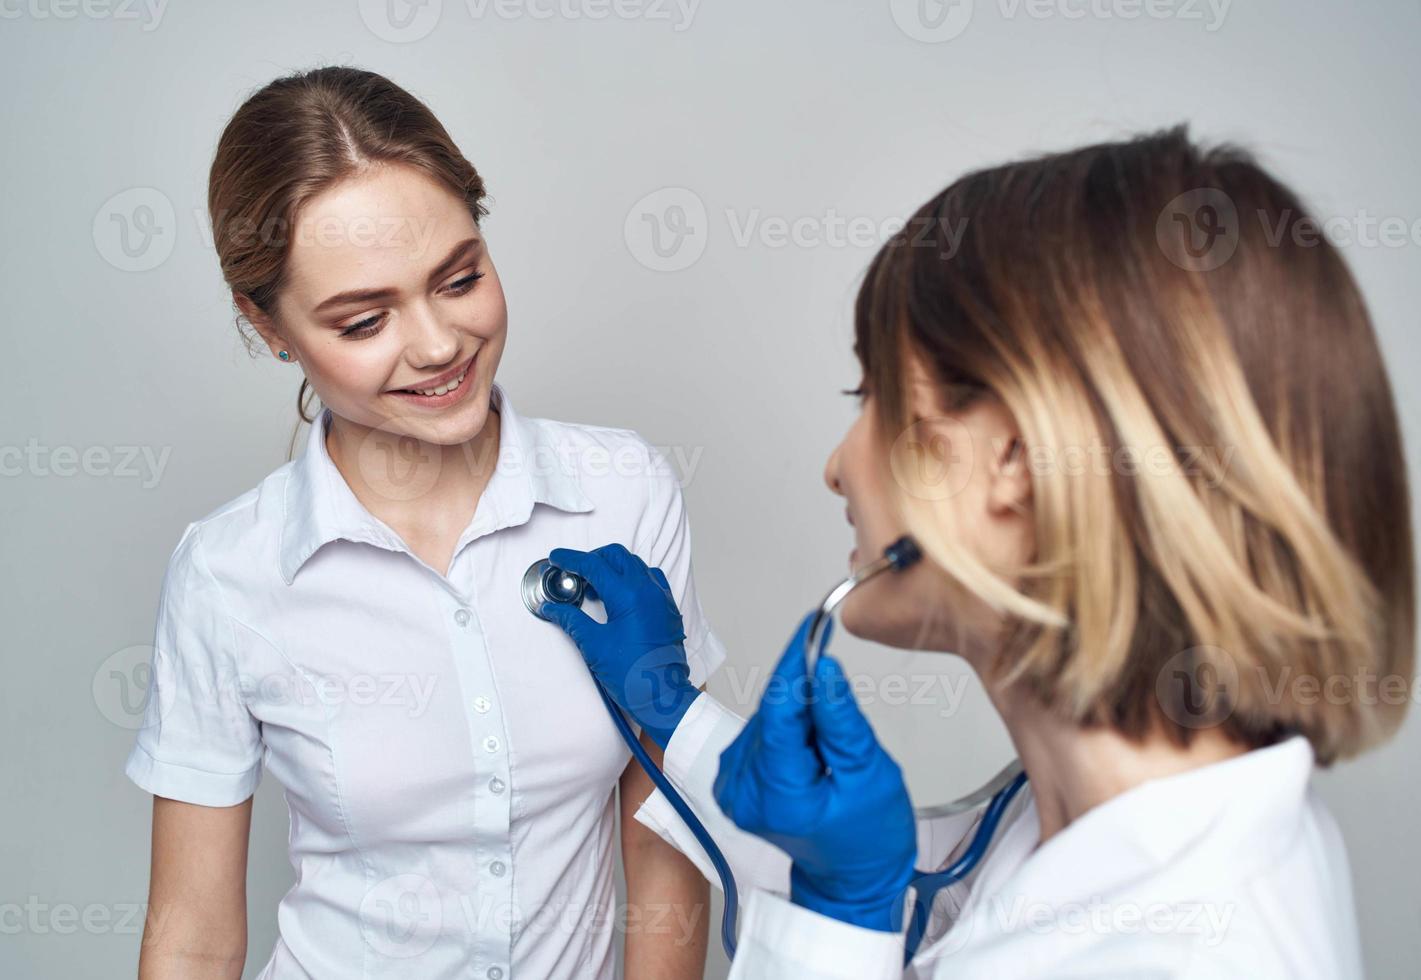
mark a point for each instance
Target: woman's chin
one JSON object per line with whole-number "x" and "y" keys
{"x": 862, "y": 616}
{"x": 850, "y": 618}
{"x": 879, "y": 619}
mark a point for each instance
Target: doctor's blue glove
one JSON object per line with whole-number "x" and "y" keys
{"x": 637, "y": 654}
{"x": 808, "y": 775}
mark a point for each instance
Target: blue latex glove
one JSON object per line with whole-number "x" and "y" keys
{"x": 637, "y": 654}
{"x": 812, "y": 779}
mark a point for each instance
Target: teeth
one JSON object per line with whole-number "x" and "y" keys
{"x": 444, "y": 390}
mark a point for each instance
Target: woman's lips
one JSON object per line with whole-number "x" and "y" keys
{"x": 441, "y": 380}
{"x": 449, "y": 397}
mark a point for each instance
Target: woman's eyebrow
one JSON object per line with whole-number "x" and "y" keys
{"x": 457, "y": 253}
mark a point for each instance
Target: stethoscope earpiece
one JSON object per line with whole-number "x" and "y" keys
{"x": 902, "y": 553}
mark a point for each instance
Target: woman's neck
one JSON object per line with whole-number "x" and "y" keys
{"x": 1073, "y": 769}
{"x": 416, "y": 487}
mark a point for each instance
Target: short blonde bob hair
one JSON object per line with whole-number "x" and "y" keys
{"x": 1150, "y": 300}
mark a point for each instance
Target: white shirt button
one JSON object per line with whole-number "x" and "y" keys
{"x": 491, "y": 743}
{"x": 461, "y": 616}
{"x": 496, "y": 784}
{"x": 482, "y": 704}
{"x": 498, "y": 868}
{"x": 495, "y": 973}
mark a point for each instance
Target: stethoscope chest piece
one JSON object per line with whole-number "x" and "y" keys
{"x": 545, "y": 582}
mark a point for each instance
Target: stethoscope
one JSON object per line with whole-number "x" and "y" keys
{"x": 545, "y": 582}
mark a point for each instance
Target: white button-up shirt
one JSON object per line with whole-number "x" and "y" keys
{"x": 1234, "y": 869}
{"x": 448, "y": 765}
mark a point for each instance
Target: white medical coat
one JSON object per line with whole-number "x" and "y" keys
{"x": 1234, "y": 869}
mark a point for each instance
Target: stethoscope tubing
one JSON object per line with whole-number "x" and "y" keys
{"x": 999, "y": 790}
{"x": 730, "y": 913}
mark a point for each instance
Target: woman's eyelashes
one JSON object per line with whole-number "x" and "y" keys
{"x": 460, "y": 286}
{"x": 370, "y": 326}
{"x": 364, "y": 328}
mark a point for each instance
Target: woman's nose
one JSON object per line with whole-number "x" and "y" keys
{"x": 431, "y": 342}
{"x": 831, "y": 471}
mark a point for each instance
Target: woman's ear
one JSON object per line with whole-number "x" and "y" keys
{"x": 263, "y": 325}
{"x": 1010, "y": 474}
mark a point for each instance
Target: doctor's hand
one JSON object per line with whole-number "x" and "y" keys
{"x": 808, "y": 775}
{"x": 637, "y": 654}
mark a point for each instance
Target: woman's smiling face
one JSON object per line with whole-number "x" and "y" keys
{"x": 389, "y": 286}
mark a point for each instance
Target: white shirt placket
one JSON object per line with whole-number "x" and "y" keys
{"x": 492, "y": 904}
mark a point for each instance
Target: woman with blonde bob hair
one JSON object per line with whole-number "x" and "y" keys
{"x": 1138, "y": 424}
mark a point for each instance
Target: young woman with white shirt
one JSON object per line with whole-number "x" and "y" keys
{"x": 354, "y": 623}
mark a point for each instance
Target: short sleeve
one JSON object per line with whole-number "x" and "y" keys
{"x": 198, "y": 742}
{"x": 664, "y": 541}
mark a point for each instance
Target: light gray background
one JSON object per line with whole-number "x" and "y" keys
{"x": 758, "y": 111}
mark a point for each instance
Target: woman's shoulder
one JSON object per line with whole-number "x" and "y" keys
{"x": 597, "y": 441}
{"x": 1296, "y": 908}
{"x": 608, "y": 461}
{"x": 240, "y": 533}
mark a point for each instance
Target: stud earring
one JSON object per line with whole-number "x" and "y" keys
{"x": 284, "y": 356}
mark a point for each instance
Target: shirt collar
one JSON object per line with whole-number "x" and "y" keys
{"x": 1187, "y": 829}
{"x": 319, "y": 506}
